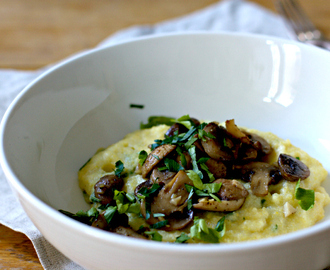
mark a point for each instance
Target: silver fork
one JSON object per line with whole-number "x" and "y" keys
{"x": 299, "y": 23}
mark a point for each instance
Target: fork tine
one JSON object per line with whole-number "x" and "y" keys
{"x": 298, "y": 20}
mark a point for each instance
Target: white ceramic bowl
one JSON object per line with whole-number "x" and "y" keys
{"x": 60, "y": 119}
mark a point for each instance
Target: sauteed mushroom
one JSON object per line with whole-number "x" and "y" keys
{"x": 233, "y": 130}
{"x": 155, "y": 157}
{"x": 180, "y": 128}
{"x": 260, "y": 174}
{"x": 231, "y": 190}
{"x": 176, "y": 127}
{"x": 173, "y": 196}
{"x": 103, "y": 189}
{"x": 259, "y": 143}
{"x": 117, "y": 220}
{"x": 292, "y": 169}
{"x": 161, "y": 177}
{"x": 213, "y": 147}
{"x": 171, "y": 201}
{"x": 178, "y": 221}
{"x": 217, "y": 168}
{"x": 232, "y": 194}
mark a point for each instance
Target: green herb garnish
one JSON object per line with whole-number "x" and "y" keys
{"x": 156, "y": 121}
{"x": 201, "y": 231}
{"x": 159, "y": 224}
{"x": 142, "y": 157}
{"x": 182, "y": 238}
{"x": 155, "y": 236}
{"x": 137, "y": 106}
{"x": 126, "y": 202}
{"x": 86, "y": 217}
{"x": 306, "y": 197}
{"x": 119, "y": 168}
{"x": 109, "y": 213}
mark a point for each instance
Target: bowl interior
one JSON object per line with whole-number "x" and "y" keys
{"x": 61, "y": 119}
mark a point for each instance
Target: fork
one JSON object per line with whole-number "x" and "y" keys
{"x": 299, "y": 23}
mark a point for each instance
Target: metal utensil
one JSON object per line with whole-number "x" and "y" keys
{"x": 299, "y": 24}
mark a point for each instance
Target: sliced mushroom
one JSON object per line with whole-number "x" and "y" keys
{"x": 147, "y": 184}
{"x": 180, "y": 128}
{"x": 231, "y": 190}
{"x": 223, "y": 206}
{"x": 128, "y": 232}
{"x": 155, "y": 157}
{"x": 103, "y": 189}
{"x": 259, "y": 143}
{"x": 233, "y": 130}
{"x": 217, "y": 168}
{"x": 261, "y": 175}
{"x": 176, "y": 127}
{"x": 178, "y": 221}
{"x": 187, "y": 160}
{"x": 100, "y": 222}
{"x": 173, "y": 196}
{"x": 161, "y": 177}
{"x": 214, "y": 147}
{"x": 117, "y": 220}
{"x": 232, "y": 194}
{"x": 292, "y": 169}
{"x": 247, "y": 153}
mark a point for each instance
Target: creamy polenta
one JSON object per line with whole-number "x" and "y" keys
{"x": 274, "y": 212}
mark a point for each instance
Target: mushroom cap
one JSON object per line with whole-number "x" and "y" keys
{"x": 261, "y": 175}
{"x": 103, "y": 189}
{"x": 173, "y": 196}
{"x": 155, "y": 157}
{"x": 292, "y": 169}
{"x": 231, "y": 189}
{"x": 214, "y": 146}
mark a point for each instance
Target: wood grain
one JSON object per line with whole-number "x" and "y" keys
{"x": 16, "y": 251}
{"x": 36, "y": 33}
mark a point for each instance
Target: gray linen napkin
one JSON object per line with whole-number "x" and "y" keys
{"x": 227, "y": 15}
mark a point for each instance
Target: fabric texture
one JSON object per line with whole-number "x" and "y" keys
{"x": 227, "y": 15}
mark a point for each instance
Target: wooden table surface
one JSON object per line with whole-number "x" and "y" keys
{"x": 35, "y": 33}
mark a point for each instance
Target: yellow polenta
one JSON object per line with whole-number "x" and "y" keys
{"x": 259, "y": 217}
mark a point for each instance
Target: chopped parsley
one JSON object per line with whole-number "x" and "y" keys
{"x": 171, "y": 165}
{"x": 126, "y": 202}
{"x": 159, "y": 224}
{"x": 201, "y": 231}
{"x": 147, "y": 194}
{"x": 86, "y": 217}
{"x": 109, "y": 213}
{"x": 305, "y": 197}
{"x": 119, "y": 168}
{"x": 137, "y": 106}
{"x": 142, "y": 157}
{"x": 182, "y": 238}
{"x": 156, "y": 121}
{"x": 155, "y": 236}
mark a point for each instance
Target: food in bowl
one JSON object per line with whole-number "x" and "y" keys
{"x": 187, "y": 181}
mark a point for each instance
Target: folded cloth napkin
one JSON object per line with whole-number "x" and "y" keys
{"x": 226, "y": 15}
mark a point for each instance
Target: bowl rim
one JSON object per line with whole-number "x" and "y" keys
{"x": 119, "y": 240}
